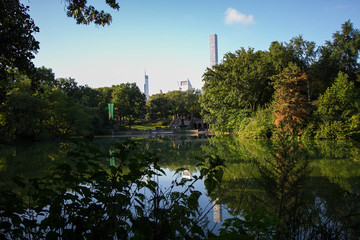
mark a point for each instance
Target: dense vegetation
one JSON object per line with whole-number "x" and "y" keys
{"x": 296, "y": 88}
{"x": 59, "y": 108}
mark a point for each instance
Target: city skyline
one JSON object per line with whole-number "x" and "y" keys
{"x": 171, "y": 39}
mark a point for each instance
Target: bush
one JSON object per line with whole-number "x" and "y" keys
{"x": 333, "y": 130}
{"x": 309, "y": 131}
{"x": 260, "y": 126}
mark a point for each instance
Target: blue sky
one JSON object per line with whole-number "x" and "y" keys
{"x": 170, "y": 38}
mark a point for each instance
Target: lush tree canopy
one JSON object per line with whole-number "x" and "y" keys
{"x": 129, "y": 102}
{"x": 240, "y": 82}
{"x": 17, "y": 42}
{"x": 174, "y": 104}
{"x": 240, "y": 93}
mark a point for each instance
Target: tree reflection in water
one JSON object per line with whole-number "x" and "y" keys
{"x": 283, "y": 183}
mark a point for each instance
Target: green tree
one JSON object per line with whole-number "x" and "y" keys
{"x": 192, "y": 103}
{"x": 240, "y": 82}
{"x": 17, "y": 42}
{"x": 158, "y": 107}
{"x": 23, "y": 113}
{"x": 305, "y": 54}
{"x": 64, "y": 117}
{"x": 177, "y": 102}
{"x": 184, "y": 103}
{"x": 339, "y": 109}
{"x": 129, "y": 102}
{"x": 280, "y": 55}
{"x": 340, "y": 54}
{"x": 339, "y": 101}
{"x": 346, "y": 49}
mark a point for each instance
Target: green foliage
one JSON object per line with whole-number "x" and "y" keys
{"x": 129, "y": 102}
{"x": 257, "y": 224}
{"x": 260, "y": 126}
{"x": 158, "y": 107}
{"x": 84, "y": 13}
{"x": 240, "y": 82}
{"x": 244, "y": 79}
{"x": 17, "y": 45}
{"x": 339, "y": 100}
{"x": 87, "y": 199}
{"x": 340, "y": 54}
{"x": 339, "y": 110}
{"x": 55, "y": 109}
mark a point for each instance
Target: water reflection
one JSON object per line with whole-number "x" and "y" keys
{"x": 313, "y": 192}
{"x": 311, "y": 187}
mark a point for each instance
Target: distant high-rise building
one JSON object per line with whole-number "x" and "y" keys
{"x": 146, "y": 86}
{"x": 185, "y": 85}
{"x": 213, "y": 46}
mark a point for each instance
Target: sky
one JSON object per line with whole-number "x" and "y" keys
{"x": 170, "y": 39}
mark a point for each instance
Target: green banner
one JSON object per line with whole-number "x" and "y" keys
{"x": 111, "y": 110}
{"x": 112, "y": 162}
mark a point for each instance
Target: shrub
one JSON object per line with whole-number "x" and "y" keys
{"x": 259, "y": 126}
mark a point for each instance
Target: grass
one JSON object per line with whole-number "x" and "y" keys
{"x": 148, "y": 126}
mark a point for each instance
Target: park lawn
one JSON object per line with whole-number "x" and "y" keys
{"x": 148, "y": 126}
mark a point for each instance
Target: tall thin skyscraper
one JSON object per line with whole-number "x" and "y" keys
{"x": 146, "y": 86}
{"x": 213, "y": 46}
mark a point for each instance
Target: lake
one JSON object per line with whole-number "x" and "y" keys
{"x": 311, "y": 188}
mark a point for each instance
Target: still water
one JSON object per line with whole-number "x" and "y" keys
{"x": 311, "y": 187}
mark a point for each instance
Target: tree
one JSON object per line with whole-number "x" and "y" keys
{"x": 178, "y": 103}
{"x": 240, "y": 82}
{"x": 346, "y": 49}
{"x": 340, "y": 54}
{"x": 64, "y": 117}
{"x": 129, "y": 102}
{"x": 339, "y": 100}
{"x": 305, "y": 55}
{"x": 339, "y": 110}
{"x": 158, "y": 107}
{"x": 290, "y": 102}
{"x": 280, "y": 56}
{"x": 17, "y": 43}
{"x": 192, "y": 103}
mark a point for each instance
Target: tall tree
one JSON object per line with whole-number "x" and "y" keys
{"x": 129, "y": 102}
{"x": 17, "y": 42}
{"x": 340, "y": 54}
{"x": 346, "y": 49}
{"x": 158, "y": 107}
{"x": 240, "y": 82}
{"x": 340, "y": 101}
{"x": 305, "y": 54}
{"x": 290, "y": 100}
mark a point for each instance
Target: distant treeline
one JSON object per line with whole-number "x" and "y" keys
{"x": 294, "y": 88}
{"x": 59, "y": 108}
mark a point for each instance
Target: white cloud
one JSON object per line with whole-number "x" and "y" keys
{"x": 233, "y": 16}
